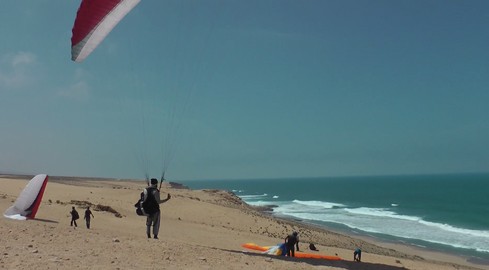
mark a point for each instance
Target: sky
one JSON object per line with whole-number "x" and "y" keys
{"x": 227, "y": 89}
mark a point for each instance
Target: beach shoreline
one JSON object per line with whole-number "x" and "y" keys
{"x": 211, "y": 224}
{"x": 405, "y": 247}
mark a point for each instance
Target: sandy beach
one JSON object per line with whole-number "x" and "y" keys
{"x": 200, "y": 229}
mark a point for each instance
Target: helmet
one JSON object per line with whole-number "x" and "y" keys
{"x": 154, "y": 181}
{"x": 295, "y": 233}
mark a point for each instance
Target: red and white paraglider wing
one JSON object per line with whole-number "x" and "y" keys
{"x": 94, "y": 21}
{"x": 29, "y": 200}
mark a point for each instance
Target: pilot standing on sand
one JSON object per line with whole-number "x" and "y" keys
{"x": 151, "y": 204}
{"x": 290, "y": 241}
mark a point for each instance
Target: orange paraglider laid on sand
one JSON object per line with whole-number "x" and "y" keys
{"x": 298, "y": 254}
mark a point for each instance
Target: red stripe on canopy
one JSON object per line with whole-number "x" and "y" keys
{"x": 94, "y": 21}
{"x": 37, "y": 201}
{"x": 89, "y": 15}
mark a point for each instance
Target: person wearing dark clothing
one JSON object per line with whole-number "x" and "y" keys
{"x": 313, "y": 247}
{"x": 291, "y": 241}
{"x": 88, "y": 213}
{"x": 74, "y": 216}
{"x": 151, "y": 204}
{"x": 357, "y": 255}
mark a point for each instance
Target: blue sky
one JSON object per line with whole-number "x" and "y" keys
{"x": 248, "y": 89}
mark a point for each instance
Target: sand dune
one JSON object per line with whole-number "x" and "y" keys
{"x": 201, "y": 229}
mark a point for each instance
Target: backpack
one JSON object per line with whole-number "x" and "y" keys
{"x": 75, "y": 215}
{"x": 148, "y": 207}
{"x": 139, "y": 206}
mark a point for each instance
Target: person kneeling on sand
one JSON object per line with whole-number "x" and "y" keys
{"x": 357, "y": 255}
{"x": 151, "y": 205}
{"x": 313, "y": 247}
{"x": 290, "y": 241}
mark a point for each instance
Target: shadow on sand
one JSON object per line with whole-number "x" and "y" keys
{"x": 45, "y": 220}
{"x": 316, "y": 262}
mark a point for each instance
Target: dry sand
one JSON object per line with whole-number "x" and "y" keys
{"x": 201, "y": 229}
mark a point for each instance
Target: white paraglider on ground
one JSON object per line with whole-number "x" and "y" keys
{"x": 29, "y": 200}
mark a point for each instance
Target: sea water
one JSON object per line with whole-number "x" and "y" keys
{"x": 448, "y": 213}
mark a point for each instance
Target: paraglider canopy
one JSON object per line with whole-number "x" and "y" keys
{"x": 94, "y": 21}
{"x": 29, "y": 200}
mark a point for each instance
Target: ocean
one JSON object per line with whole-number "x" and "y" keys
{"x": 448, "y": 213}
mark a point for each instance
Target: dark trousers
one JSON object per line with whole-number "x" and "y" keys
{"x": 290, "y": 251}
{"x": 357, "y": 256}
{"x": 73, "y": 221}
{"x": 88, "y": 223}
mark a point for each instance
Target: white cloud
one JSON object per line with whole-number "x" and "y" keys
{"x": 17, "y": 70}
{"x": 79, "y": 90}
{"x": 23, "y": 59}
{"x": 80, "y": 73}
